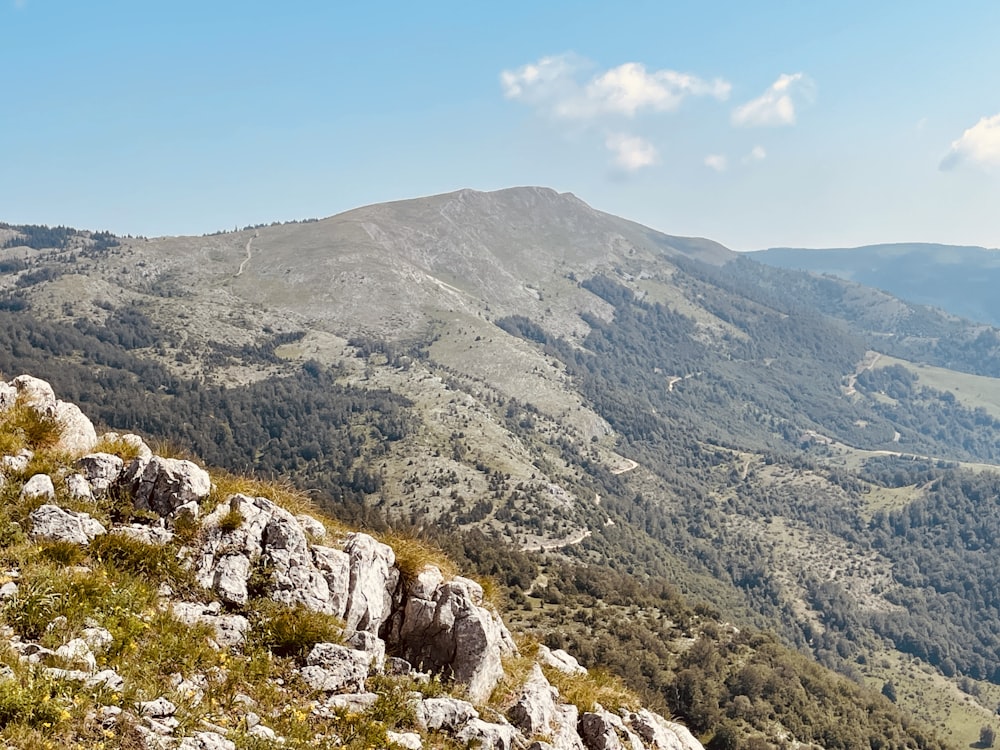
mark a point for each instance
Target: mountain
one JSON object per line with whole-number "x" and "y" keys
{"x": 955, "y": 278}
{"x": 604, "y": 403}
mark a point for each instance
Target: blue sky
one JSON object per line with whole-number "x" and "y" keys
{"x": 755, "y": 124}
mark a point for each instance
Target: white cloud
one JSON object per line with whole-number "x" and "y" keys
{"x": 757, "y": 153}
{"x": 558, "y": 85}
{"x": 632, "y": 153}
{"x": 718, "y": 162}
{"x": 980, "y": 145}
{"x": 776, "y": 106}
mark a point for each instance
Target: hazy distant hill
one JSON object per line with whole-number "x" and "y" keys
{"x": 802, "y": 453}
{"x": 961, "y": 280}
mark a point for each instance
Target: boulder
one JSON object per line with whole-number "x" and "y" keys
{"x": 39, "y": 486}
{"x": 78, "y": 488}
{"x": 559, "y": 659}
{"x": 229, "y": 631}
{"x": 373, "y": 582}
{"x": 535, "y": 707}
{"x": 333, "y": 668}
{"x": 447, "y": 630}
{"x": 101, "y": 470}
{"x": 166, "y": 483}
{"x": 52, "y": 523}
{"x": 444, "y": 714}
{"x": 77, "y": 433}
{"x": 36, "y": 393}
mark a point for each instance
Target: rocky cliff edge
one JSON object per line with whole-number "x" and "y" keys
{"x": 403, "y": 655}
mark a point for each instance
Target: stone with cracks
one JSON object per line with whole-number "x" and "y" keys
{"x": 269, "y": 537}
{"x": 52, "y": 523}
{"x": 101, "y": 470}
{"x": 373, "y": 582}
{"x": 451, "y": 633}
{"x": 444, "y": 714}
{"x": 166, "y": 483}
{"x": 335, "y": 565}
{"x": 535, "y": 708}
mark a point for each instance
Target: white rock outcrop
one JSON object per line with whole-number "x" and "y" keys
{"x": 52, "y": 523}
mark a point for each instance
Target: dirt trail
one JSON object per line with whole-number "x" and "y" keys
{"x": 622, "y": 469}
{"x": 575, "y": 539}
{"x": 248, "y": 249}
{"x": 869, "y": 362}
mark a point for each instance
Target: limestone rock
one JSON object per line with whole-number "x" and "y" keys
{"x": 166, "y": 483}
{"x": 39, "y": 486}
{"x": 78, "y": 488}
{"x": 314, "y": 529}
{"x": 37, "y": 393}
{"x": 206, "y": 741}
{"x": 408, "y": 740}
{"x": 8, "y": 395}
{"x": 77, "y": 434}
{"x": 266, "y": 535}
{"x": 55, "y": 524}
{"x": 598, "y": 732}
{"x": 77, "y": 651}
{"x": 451, "y": 632}
{"x": 479, "y": 733}
{"x": 373, "y": 581}
{"x": 157, "y": 708}
{"x": 18, "y": 463}
{"x": 230, "y": 631}
{"x": 444, "y": 714}
{"x": 101, "y": 470}
{"x": 535, "y": 708}
{"x": 156, "y": 536}
{"x": 335, "y": 566}
{"x": 560, "y": 660}
{"x": 333, "y": 668}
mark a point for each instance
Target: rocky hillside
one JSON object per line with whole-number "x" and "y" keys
{"x": 149, "y": 604}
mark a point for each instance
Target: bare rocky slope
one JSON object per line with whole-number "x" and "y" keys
{"x": 412, "y": 657}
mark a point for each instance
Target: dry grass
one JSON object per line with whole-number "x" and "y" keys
{"x": 413, "y": 555}
{"x": 597, "y": 686}
{"x": 22, "y": 426}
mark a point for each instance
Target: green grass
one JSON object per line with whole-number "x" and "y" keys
{"x": 973, "y": 391}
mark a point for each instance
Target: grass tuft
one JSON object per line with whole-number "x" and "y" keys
{"x": 597, "y": 686}
{"x": 293, "y": 631}
{"x": 413, "y": 555}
